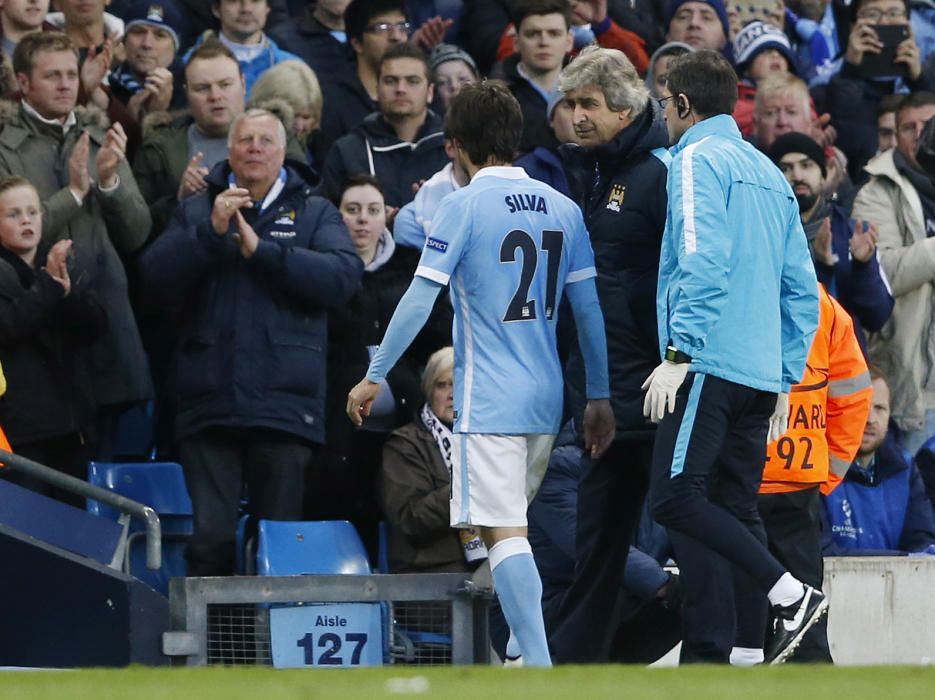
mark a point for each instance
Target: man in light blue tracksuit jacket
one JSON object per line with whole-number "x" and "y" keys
{"x": 737, "y": 306}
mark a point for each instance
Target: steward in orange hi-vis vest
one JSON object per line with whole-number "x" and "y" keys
{"x": 827, "y": 410}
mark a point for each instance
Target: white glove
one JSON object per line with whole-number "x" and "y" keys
{"x": 661, "y": 387}
{"x": 779, "y": 421}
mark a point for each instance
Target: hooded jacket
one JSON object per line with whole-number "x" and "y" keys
{"x": 620, "y": 187}
{"x": 253, "y": 333}
{"x": 106, "y": 226}
{"x": 347, "y": 104}
{"x": 373, "y": 147}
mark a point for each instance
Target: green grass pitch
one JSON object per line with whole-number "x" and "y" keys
{"x": 476, "y": 683}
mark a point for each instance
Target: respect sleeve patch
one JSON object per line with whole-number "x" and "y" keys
{"x": 436, "y": 244}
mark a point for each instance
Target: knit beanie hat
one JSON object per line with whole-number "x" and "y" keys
{"x": 757, "y": 36}
{"x": 794, "y": 142}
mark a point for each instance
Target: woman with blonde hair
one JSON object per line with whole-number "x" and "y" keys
{"x": 296, "y": 84}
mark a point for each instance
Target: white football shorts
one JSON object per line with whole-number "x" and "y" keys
{"x": 493, "y": 477}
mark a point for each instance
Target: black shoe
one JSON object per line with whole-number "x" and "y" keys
{"x": 792, "y": 622}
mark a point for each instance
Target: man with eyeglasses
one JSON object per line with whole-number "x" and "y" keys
{"x": 402, "y": 144}
{"x": 852, "y": 97}
{"x": 900, "y": 200}
{"x": 371, "y": 27}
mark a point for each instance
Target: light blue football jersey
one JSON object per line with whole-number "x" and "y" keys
{"x": 508, "y": 245}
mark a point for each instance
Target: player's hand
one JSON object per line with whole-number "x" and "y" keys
{"x": 360, "y": 399}
{"x": 779, "y": 421}
{"x": 661, "y": 387}
{"x": 599, "y": 427}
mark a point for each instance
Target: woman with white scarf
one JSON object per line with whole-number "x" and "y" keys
{"x": 415, "y": 483}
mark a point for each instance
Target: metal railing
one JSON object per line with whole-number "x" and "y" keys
{"x": 83, "y": 488}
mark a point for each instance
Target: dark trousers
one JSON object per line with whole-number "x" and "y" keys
{"x": 217, "y": 463}
{"x": 793, "y": 528}
{"x": 707, "y": 466}
{"x": 610, "y": 500}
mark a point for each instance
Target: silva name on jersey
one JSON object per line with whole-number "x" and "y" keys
{"x": 525, "y": 202}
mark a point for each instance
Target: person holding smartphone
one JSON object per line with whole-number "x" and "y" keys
{"x": 882, "y": 58}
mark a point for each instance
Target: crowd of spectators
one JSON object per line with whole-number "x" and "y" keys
{"x": 213, "y": 207}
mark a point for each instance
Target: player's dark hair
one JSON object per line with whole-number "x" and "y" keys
{"x": 707, "y": 79}
{"x": 486, "y": 121}
{"x": 360, "y": 13}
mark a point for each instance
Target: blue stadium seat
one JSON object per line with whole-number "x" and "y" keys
{"x": 160, "y": 485}
{"x": 286, "y": 548}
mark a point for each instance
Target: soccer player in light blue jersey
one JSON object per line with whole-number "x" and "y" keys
{"x": 510, "y": 247}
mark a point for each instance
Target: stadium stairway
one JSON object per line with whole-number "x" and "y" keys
{"x": 62, "y": 604}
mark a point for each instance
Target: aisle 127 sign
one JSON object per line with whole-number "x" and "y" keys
{"x": 326, "y": 635}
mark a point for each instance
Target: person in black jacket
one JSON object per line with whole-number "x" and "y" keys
{"x": 372, "y": 27}
{"x": 47, "y": 308}
{"x": 251, "y": 266}
{"x": 403, "y": 144}
{"x": 543, "y": 40}
{"x": 619, "y": 179}
{"x": 355, "y": 330}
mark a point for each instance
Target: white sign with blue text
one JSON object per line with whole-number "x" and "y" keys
{"x": 326, "y": 635}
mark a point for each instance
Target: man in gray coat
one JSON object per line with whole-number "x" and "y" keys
{"x": 89, "y": 196}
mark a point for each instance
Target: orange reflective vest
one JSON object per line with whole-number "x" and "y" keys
{"x": 827, "y": 410}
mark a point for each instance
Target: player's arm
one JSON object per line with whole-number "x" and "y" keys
{"x": 599, "y": 425}
{"x": 411, "y": 314}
